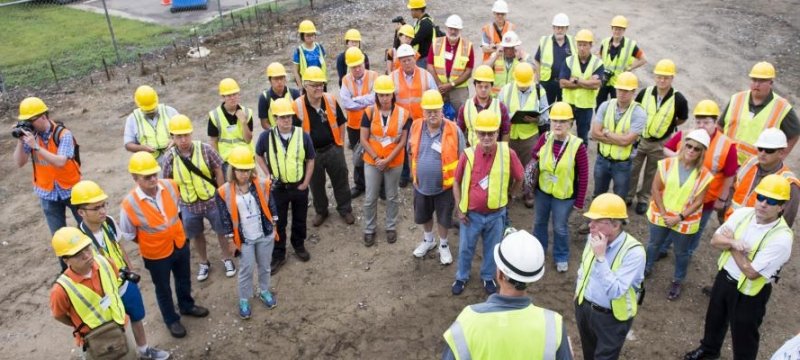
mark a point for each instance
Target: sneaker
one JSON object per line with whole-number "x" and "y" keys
{"x": 424, "y": 247}
{"x": 674, "y": 291}
{"x": 154, "y": 354}
{"x": 489, "y": 286}
{"x": 244, "y": 309}
{"x": 177, "y": 330}
{"x": 706, "y": 290}
{"x": 458, "y": 287}
{"x": 700, "y": 354}
{"x": 562, "y": 267}
{"x": 444, "y": 255}
{"x": 641, "y": 208}
{"x": 202, "y": 273}
{"x": 230, "y": 269}
{"x": 268, "y": 299}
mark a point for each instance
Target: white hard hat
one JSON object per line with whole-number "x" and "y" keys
{"x": 454, "y": 21}
{"x": 405, "y": 50}
{"x": 701, "y": 136}
{"x": 772, "y": 138}
{"x": 520, "y": 256}
{"x": 561, "y": 19}
{"x": 500, "y": 6}
{"x": 510, "y": 39}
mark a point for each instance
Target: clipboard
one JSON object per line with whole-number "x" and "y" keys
{"x": 519, "y": 116}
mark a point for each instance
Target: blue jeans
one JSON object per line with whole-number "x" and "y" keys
{"x": 545, "y": 204}
{"x": 606, "y": 170}
{"x": 583, "y": 122}
{"x": 660, "y": 234}
{"x": 54, "y": 213}
{"x": 176, "y": 264}
{"x": 488, "y": 226}
{"x": 694, "y": 242}
{"x": 405, "y": 174}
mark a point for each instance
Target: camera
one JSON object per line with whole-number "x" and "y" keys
{"x": 399, "y": 20}
{"x": 17, "y": 131}
{"x": 128, "y": 275}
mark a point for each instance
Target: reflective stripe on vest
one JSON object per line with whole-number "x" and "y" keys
{"x": 410, "y": 96}
{"x": 622, "y": 127}
{"x": 511, "y": 99}
{"x": 625, "y": 306}
{"x": 156, "y": 234}
{"x": 304, "y": 63}
{"x": 287, "y": 163}
{"x": 471, "y": 114}
{"x": 47, "y": 175}
{"x": 460, "y": 60}
{"x": 230, "y": 136}
{"x": 449, "y": 153}
{"x": 744, "y": 128}
{"x": 502, "y": 75}
{"x": 499, "y": 178}
{"x": 110, "y": 247}
{"x": 563, "y": 169}
{"x": 744, "y": 186}
{"x": 618, "y": 64}
{"x": 389, "y": 134}
{"x": 495, "y": 38}
{"x": 156, "y": 137}
{"x": 270, "y": 116}
{"x": 582, "y": 98}
{"x": 659, "y": 118}
{"x": 678, "y": 197}
{"x": 330, "y": 113}
{"x": 88, "y": 304}
{"x": 193, "y": 187}
{"x": 228, "y": 193}
{"x": 714, "y": 162}
{"x": 546, "y": 45}
{"x": 367, "y": 81}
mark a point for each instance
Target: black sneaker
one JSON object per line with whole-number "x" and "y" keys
{"x": 177, "y": 330}
{"x": 276, "y": 265}
{"x": 302, "y": 254}
{"x": 196, "y": 311}
{"x": 641, "y": 208}
{"x": 489, "y": 286}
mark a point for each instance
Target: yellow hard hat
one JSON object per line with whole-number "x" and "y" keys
{"x": 314, "y": 73}
{"x": 607, "y": 206}
{"x": 281, "y": 107}
{"x": 664, "y": 67}
{"x": 307, "y": 27}
{"x": 432, "y": 100}
{"x": 275, "y": 69}
{"x": 483, "y": 73}
{"x": 627, "y": 81}
{"x": 487, "y": 121}
{"x": 353, "y": 56}
{"x": 774, "y": 186}
{"x": 69, "y": 241}
{"x": 416, "y": 4}
{"x": 523, "y": 74}
{"x": 706, "y": 108}
{"x": 241, "y": 157}
{"x": 762, "y": 70}
{"x": 228, "y": 86}
{"x": 31, "y": 107}
{"x": 146, "y": 98}
{"x": 143, "y": 163}
{"x": 180, "y": 124}
{"x": 584, "y": 35}
{"x": 352, "y": 35}
{"x": 86, "y": 192}
{"x": 619, "y": 21}
{"x": 385, "y": 85}
{"x": 561, "y": 111}
{"x": 406, "y": 30}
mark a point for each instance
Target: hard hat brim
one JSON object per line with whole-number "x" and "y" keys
{"x": 85, "y": 241}
{"x": 355, "y": 63}
{"x": 507, "y": 272}
{"x": 243, "y": 166}
{"x": 229, "y": 92}
{"x": 92, "y": 200}
{"x": 432, "y": 107}
{"x": 664, "y": 73}
{"x": 148, "y": 108}
{"x": 155, "y": 170}
{"x": 524, "y": 83}
{"x": 487, "y": 128}
{"x": 624, "y": 87}
{"x": 181, "y": 132}
{"x": 28, "y": 117}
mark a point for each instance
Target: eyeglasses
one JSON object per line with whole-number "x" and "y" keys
{"x": 770, "y": 201}
{"x": 693, "y": 148}
{"x": 486, "y": 133}
{"x": 768, "y": 151}
{"x": 96, "y": 208}
{"x": 81, "y": 252}
{"x": 316, "y": 85}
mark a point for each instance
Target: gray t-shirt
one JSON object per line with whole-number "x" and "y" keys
{"x": 429, "y": 165}
{"x": 638, "y": 119}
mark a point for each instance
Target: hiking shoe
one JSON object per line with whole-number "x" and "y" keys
{"x": 196, "y": 311}
{"x": 319, "y": 219}
{"x": 244, "y": 309}
{"x": 424, "y": 247}
{"x": 349, "y": 218}
{"x": 562, "y": 267}
{"x": 230, "y": 269}
{"x": 444, "y": 255}
{"x": 268, "y": 300}
{"x": 489, "y": 286}
{"x": 391, "y": 236}
{"x": 700, "y": 354}
{"x": 458, "y": 287}
{"x": 706, "y": 290}
{"x": 276, "y": 265}
{"x": 302, "y": 254}
{"x": 177, "y": 330}
{"x": 641, "y": 208}
{"x": 153, "y": 354}
{"x": 674, "y": 291}
{"x": 369, "y": 240}
{"x": 202, "y": 272}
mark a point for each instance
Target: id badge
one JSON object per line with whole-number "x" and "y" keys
{"x": 437, "y": 146}
{"x": 553, "y": 179}
{"x": 105, "y": 302}
{"x": 448, "y": 55}
{"x": 231, "y": 128}
{"x": 386, "y": 141}
{"x": 484, "y": 183}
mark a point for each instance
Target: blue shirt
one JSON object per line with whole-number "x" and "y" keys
{"x": 560, "y": 55}
{"x": 312, "y": 56}
{"x": 66, "y": 147}
{"x": 605, "y": 284}
{"x": 429, "y": 161}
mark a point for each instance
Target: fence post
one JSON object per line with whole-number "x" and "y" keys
{"x": 221, "y": 20}
{"x": 111, "y": 30}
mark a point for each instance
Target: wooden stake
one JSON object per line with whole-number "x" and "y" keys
{"x": 105, "y": 67}
{"x": 53, "y": 69}
{"x": 141, "y": 64}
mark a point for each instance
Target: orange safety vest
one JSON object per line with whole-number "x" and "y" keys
{"x": 228, "y": 193}
{"x": 449, "y": 151}
{"x": 714, "y": 162}
{"x": 354, "y": 116}
{"x": 743, "y": 194}
{"x": 330, "y": 110}
{"x": 389, "y": 135}
{"x": 459, "y": 58}
{"x": 45, "y": 174}
{"x": 490, "y": 32}
{"x": 691, "y": 222}
{"x": 743, "y": 128}
{"x": 158, "y": 235}
{"x": 409, "y": 96}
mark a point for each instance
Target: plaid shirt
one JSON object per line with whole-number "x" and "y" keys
{"x": 213, "y": 161}
{"x": 65, "y": 148}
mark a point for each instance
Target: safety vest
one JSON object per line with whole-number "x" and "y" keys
{"x": 743, "y": 194}
{"x": 502, "y": 75}
{"x": 193, "y": 187}
{"x": 625, "y": 306}
{"x": 747, "y": 286}
{"x": 156, "y": 137}
{"x": 511, "y": 99}
{"x": 490, "y": 31}
{"x": 499, "y": 178}
{"x": 270, "y": 116}
{"x": 330, "y": 112}
{"x": 714, "y": 162}
{"x": 384, "y": 139}
{"x": 287, "y": 164}
{"x": 87, "y": 304}
{"x": 110, "y": 248}
{"x": 449, "y": 153}
{"x": 416, "y": 29}
{"x": 471, "y": 115}
{"x": 354, "y": 116}
{"x": 228, "y": 193}
{"x": 677, "y": 197}
{"x": 158, "y": 235}
{"x": 230, "y": 136}
{"x": 304, "y": 63}
{"x": 582, "y": 98}
{"x": 742, "y": 126}
{"x": 624, "y": 58}
{"x": 546, "y": 44}
{"x": 659, "y": 118}
{"x": 408, "y": 95}
{"x": 528, "y": 333}
{"x": 557, "y": 176}
{"x": 460, "y": 60}
{"x": 45, "y": 174}
{"x": 623, "y": 126}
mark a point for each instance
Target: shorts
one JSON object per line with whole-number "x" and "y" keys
{"x": 132, "y": 300}
{"x": 442, "y": 203}
{"x": 193, "y": 223}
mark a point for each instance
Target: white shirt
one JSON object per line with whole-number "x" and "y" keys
{"x": 131, "y": 133}
{"x": 249, "y": 216}
{"x": 772, "y": 256}
{"x": 126, "y": 228}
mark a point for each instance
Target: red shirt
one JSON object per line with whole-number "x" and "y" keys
{"x": 480, "y": 169}
{"x": 448, "y": 64}
{"x": 505, "y": 120}
{"x": 729, "y": 169}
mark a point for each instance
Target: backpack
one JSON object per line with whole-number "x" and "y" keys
{"x": 57, "y": 138}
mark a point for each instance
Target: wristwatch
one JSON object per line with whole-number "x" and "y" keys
{"x": 601, "y": 259}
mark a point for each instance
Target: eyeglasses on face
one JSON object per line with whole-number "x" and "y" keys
{"x": 770, "y": 201}
{"x": 693, "y": 148}
{"x": 96, "y": 208}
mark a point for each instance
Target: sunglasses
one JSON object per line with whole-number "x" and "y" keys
{"x": 768, "y": 151}
{"x": 770, "y": 201}
{"x": 486, "y": 133}
{"x": 693, "y": 148}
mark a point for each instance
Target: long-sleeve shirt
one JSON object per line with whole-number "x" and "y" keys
{"x": 341, "y": 66}
{"x": 423, "y": 35}
{"x": 604, "y": 284}
{"x": 348, "y": 102}
{"x": 581, "y": 181}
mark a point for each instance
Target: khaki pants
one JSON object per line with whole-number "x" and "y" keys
{"x": 132, "y": 354}
{"x": 648, "y": 154}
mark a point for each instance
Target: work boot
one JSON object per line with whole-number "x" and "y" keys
{"x": 391, "y": 236}
{"x": 319, "y": 219}
{"x": 700, "y": 354}
{"x": 276, "y": 265}
{"x": 355, "y": 192}
{"x": 349, "y": 218}
{"x": 369, "y": 240}
{"x": 641, "y": 208}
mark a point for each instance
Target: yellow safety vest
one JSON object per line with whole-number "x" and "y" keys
{"x": 112, "y": 251}
{"x": 287, "y": 164}
{"x": 582, "y": 98}
{"x": 230, "y": 136}
{"x": 471, "y": 114}
{"x": 304, "y": 64}
{"x": 502, "y": 76}
{"x": 416, "y": 30}
{"x": 746, "y": 286}
{"x": 616, "y": 152}
{"x": 270, "y": 117}
{"x": 618, "y": 64}
{"x": 557, "y": 177}
{"x": 624, "y": 307}
{"x": 511, "y": 99}
{"x": 87, "y": 303}
{"x": 529, "y": 333}
{"x": 192, "y": 187}
{"x": 546, "y": 44}
{"x": 659, "y": 118}
{"x": 677, "y": 196}
{"x": 499, "y": 178}
{"x": 742, "y": 126}
{"x": 156, "y": 137}
{"x": 460, "y": 60}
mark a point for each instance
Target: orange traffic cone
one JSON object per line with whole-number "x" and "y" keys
{"x": 166, "y": 2}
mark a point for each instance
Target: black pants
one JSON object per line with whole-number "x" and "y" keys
{"x": 354, "y": 135}
{"x": 602, "y": 335}
{"x": 298, "y": 201}
{"x": 553, "y": 89}
{"x": 331, "y": 161}
{"x": 606, "y": 92}
{"x": 178, "y": 265}
{"x": 744, "y": 314}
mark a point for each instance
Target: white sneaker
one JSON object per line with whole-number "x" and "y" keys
{"x": 153, "y": 354}
{"x": 202, "y": 273}
{"x": 562, "y": 267}
{"x": 424, "y": 247}
{"x": 230, "y": 269}
{"x": 444, "y": 254}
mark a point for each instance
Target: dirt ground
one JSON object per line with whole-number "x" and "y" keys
{"x": 352, "y": 302}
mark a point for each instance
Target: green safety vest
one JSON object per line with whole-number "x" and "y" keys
{"x": 616, "y": 152}
{"x": 193, "y": 187}
{"x": 498, "y": 182}
{"x": 546, "y": 55}
{"x": 471, "y": 114}
{"x": 625, "y": 306}
{"x": 230, "y": 136}
{"x": 511, "y": 99}
{"x": 287, "y": 96}
{"x": 582, "y": 98}
{"x": 112, "y": 249}
{"x": 746, "y": 286}
{"x": 287, "y": 164}
{"x": 304, "y": 64}
{"x": 659, "y": 118}
{"x": 557, "y": 178}
{"x": 618, "y": 64}
{"x": 156, "y": 137}
{"x": 86, "y": 302}
{"x": 529, "y": 333}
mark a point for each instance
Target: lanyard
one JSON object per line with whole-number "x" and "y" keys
{"x": 557, "y": 157}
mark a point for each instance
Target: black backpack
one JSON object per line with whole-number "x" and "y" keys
{"x": 57, "y": 138}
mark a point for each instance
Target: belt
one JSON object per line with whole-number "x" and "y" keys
{"x": 612, "y": 160}
{"x": 325, "y": 148}
{"x": 730, "y": 278}
{"x": 597, "y": 308}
